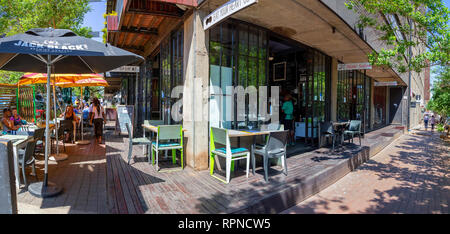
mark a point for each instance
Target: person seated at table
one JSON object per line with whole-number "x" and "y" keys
{"x": 76, "y": 109}
{"x": 69, "y": 114}
{"x": 86, "y": 113}
{"x": 17, "y": 120}
{"x": 7, "y": 123}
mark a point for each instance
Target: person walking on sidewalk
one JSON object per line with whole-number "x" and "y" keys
{"x": 425, "y": 121}
{"x": 97, "y": 117}
{"x": 432, "y": 122}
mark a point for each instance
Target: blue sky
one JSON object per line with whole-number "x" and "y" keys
{"x": 94, "y": 18}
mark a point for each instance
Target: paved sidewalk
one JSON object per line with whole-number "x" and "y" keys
{"x": 408, "y": 176}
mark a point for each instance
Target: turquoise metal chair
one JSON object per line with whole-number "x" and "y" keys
{"x": 220, "y": 146}
{"x": 135, "y": 141}
{"x": 170, "y": 137}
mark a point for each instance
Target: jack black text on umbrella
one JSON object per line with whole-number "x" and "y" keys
{"x": 41, "y": 49}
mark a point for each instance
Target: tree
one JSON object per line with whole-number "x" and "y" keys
{"x": 440, "y": 101}
{"x": 403, "y": 24}
{"x": 18, "y": 16}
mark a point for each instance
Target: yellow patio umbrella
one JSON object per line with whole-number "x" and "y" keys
{"x": 41, "y": 78}
{"x": 88, "y": 82}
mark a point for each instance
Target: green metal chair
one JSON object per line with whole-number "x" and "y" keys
{"x": 220, "y": 146}
{"x": 170, "y": 137}
{"x": 153, "y": 123}
{"x": 135, "y": 141}
{"x": 353, "y": 130}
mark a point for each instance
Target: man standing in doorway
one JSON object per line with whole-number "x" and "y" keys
{"x": 288, "y": 121}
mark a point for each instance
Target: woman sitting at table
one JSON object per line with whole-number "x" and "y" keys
{"x": 69, "y": 114}
{"x": 17, "y": 120}
{"x": 7, "y": 123}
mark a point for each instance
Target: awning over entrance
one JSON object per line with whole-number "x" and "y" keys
{"x": 314, "y": 24}
{"x": 140, "y": 25}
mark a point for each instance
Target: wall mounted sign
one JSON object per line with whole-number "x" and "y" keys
{"x": 391, "y": 83}
{"x": 126, "y": 69}
{"x": 354, "y": 66}
{"x": 226, "y": 11}
{"x": 279, "y": 71}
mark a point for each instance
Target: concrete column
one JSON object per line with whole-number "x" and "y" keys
{"x": 388, "y": 106}
{"x": 372, "y": 105}
{"x": 196, "y": 93}
{"x": 334, "y": 81}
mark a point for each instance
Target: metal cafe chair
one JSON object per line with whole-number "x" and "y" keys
{"x": 38, "y": 136}
{"x": 65, "y": 125}
{"x": 327, "y": 130}
{"x": 220, "y": 145}
{"x": 135, "y": 141}
{"x": 169, "y": 137}
{"x": 275, "y": 148}
{"x": 270, "y": 127}
{"x": 153, "y": 123}
{"x": 353, "y": 130}
{"x": 26, "y": 158}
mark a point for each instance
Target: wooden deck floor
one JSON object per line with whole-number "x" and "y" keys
{"x": 138, "y": 188}
{"x": 83, "y": 178}
{"x": 97, "y": 179}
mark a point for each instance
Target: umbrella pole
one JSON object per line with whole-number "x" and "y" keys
{"x": 82, "y": 137}
{"x": 46, "y": 188}
{"x": 47, "y": 118}
{"x": 58, "y": 156}
{"x": 56, "y": 120}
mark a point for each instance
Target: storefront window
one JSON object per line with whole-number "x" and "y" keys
{"x": 171, "y": 75}
{"x": 353, "y": 96}
{"x": 235, "y": 45}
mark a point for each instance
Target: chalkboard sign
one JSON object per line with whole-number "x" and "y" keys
{"x": 125, "y": 114}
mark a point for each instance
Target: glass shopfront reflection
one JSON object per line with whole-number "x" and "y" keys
{"x": 245, "y": 55}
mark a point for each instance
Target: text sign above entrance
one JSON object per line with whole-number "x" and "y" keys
{"x": 354, "y": 66}
{"x": 225, "y": 11}
{"x": 386, "y": 83}
{"x": 126, "y": 69}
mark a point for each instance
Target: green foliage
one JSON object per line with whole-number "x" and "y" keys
{"x": 440, "y": 127}
{"x": 18, "y": 16}
{"x": 89, "y": 92}
{"x": 392, "y": 19}
{"x": 10, "y": 77}
{"x": 440, "y": 101}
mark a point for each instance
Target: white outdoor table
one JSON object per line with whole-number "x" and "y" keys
{"x": 250, "y": 133}
{"x": 20, "y": 142}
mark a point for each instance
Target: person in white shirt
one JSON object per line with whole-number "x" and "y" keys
{"x": 97, "y": 117}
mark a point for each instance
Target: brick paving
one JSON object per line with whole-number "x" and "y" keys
{"x": 408, "y": 176}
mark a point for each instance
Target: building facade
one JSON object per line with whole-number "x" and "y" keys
{"x": 296, "y": 45}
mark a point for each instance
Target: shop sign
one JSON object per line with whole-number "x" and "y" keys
{"x": 354, "y": 66}
{"x": 391, "y": 83}
{"x": 226, "y": 11}
{"x": 126, "y": 69}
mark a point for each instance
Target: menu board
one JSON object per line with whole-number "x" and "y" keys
{"x": 125, "y": 114}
